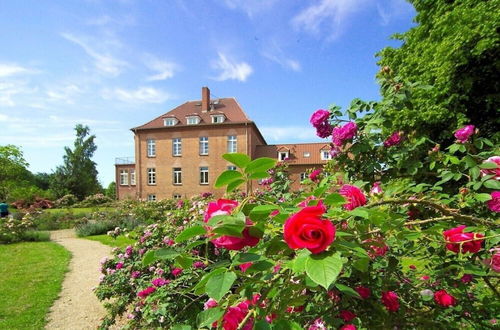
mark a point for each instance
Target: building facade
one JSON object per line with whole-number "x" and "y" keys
{"x": 179, "y": 154}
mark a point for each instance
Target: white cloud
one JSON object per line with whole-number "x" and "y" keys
{"x": 229, "y": 69}
{"x": 327, "y": 16}
{"x": 393, "y": 9}
{"x": 140, "y": 95}
{"x": 64, "y": 94}
{"x": 283, "y": 134}
{"x": 250, "y": 7}
{"x": 9, "y": 89}
{"x": 7, "y": 70}
{"x": 104, "y": 61}
{"x": 163, "y": 69}
{"x": 109, "y": 20}
{"x": 273, "y": 52}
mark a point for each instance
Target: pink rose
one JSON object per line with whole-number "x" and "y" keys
{"x": 390, "y": 300}
{"x": 319, "y": 117}
{"x": 455, "y": 236}
{"x": 176, "y": 272}
{"x": 135, "y": 274}
{"x": 444, "y": 299}
{"x": 341, "y": 134}
{"x": 492, "y": 171}
{"x": 146, "y": 292}
{"x": 464, "y": 133}
{"x": 347, "y": 316}
{"x": 314, "y": 176}
{"x": 158, "y": 282}
{"x": 221, "y": 207}
{"x": 235, "y": 314}
{"x": 324, "y": 130}
{"x": 425, "y": 278}
{"x": 348, "y": 327}
{"x": 245, "y": 266}
{"x": 210, "y": 303}
{"x": 354, "y": 196}
{"x": 393, "y": 140}
{"x": 494, "y": 261}
{"x": 363, "y": 291}
{"x": 306, "y": 229}
{"x": 199, "y": 264}
{"x": 494, "y": 202}
{"x": 318, "y": 324}
{"x": 376, "y": 188}
{"x": 119, "y": 265}
{"x": 377, "y": 247}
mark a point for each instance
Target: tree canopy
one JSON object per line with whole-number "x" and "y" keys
{"x": 454, "y": 48}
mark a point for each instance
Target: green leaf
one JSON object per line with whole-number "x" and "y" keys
{"x": 240, "y": 160}
{"x": 166, "y": 253}
{"x": 475, "y": 172}
{"x": 334, "y": 199}
{"x": 181, "y": 327}
{"x": 360, "y": 212}
{"x": 199, "y": 288}
{"x": 483, "y": 197}
{"x": 262, "y": 325}
{"x": 235, "y": 184}
{"x": 492, "y": 184}
{"x": 148, "y": 258}
{"x": 347, "y": 290}
{"x": 184, "y": 261}
{"x": 488, "y": 165}
{"x": 324, "y": 268}
{"x": 230, "y": 229}
{"x": 259, "y": 175}
{"x": 469, "y": 161}
{"x": 218, "y": 285}
{"x": 242, "y": 258}
{"x": 190, "y": 233}
{"x": 209, "y": 316}
{"x": 227, "y": 177}
{"x": 362, "y": 264}
{"x": 260, "y": 165}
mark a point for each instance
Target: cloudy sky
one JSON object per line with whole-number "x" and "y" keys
{"x": 116, "y": 64}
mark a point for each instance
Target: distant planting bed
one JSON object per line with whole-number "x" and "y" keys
{"x": 77, "y": 210}
{"x": 31, "y": 280}
{"x": 120, "y": 241}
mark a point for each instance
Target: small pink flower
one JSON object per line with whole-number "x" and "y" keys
{"x": 413, "y": 267}
{"x": 390, "y": 300}
{"x": 355, "y": 196}
{"x": 463, "y": 134}
{"x": 146, "y": 292}
{"x": 376, "y": 188}
{"x": 119, "y": 265}
{"x": 492, "y": 171}
{"x": 210, "y": 303}
{"x": 324, "y": 130}
{"x": 199, "y": 264}
{"x": 158, "y": 282}
{"x": 314, "y": 176}
{"x": 348, "y": 327}
{"x": 176, "y": 272}
{"x": 425, "y": 278}
{"x": 245, "y": 266}
{"x": 363, "y": 291}
{"x": 135, "y": 274}
{"x": 318, "y": 324}
{"x": 347, "y": 316}
{"x": 276, "y": 268}
{"x": 466, "y": 278}
{"x": 494, "y": 261}
{"x": 494, "y": 202}
{"x": 393, "y": 140}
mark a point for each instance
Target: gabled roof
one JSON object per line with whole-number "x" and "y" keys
{"x": 297, "y": 150}
{"x": 227, "y": 106}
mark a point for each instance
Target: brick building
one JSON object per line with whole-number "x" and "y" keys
{"x": 179, "y": 154}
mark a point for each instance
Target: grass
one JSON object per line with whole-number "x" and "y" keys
{"x": 120, "y": 241}
{"x": 77, "y": 210}
{"x": 32, "y": 275}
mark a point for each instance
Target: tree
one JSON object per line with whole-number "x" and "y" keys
{"x": 13, "y": 170}
{"x": 110, "y": 191}
{"x": 455, "y": 49}
{"x": 78, "y": 174}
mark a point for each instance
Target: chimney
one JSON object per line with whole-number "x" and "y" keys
{"x": 205, "y": 99}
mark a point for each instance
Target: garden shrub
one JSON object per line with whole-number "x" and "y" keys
{"x": 97, "y": 223}
{"x": 63, "y": 219}
{"x": 66, "y": 201}
{"x": 377, "y": 241}
{"x": 13, "y": 229}
{"x": 94, "y": 200}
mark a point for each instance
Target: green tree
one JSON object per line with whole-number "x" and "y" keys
{"x": 110, "y": 191}
{"x": 78, "y": 174}
{"x": 13, "y": 170}
{"x": 455, "y": 48}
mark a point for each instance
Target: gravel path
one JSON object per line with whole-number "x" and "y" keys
{"x": 77, "y": 307}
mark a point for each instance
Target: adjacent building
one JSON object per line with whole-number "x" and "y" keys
{"x": 179, "y": 154}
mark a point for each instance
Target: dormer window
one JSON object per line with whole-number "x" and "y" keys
{"x": 170, "y": 121}
{"x": 193, "y": 120}
{"x": 217, "y": 119}
{"x": 325, "y": 155}
{"x": 283, "y": 155}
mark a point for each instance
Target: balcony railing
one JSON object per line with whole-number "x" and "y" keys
{"x": 124, "y": 160}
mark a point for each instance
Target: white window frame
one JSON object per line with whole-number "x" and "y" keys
{"x": 177, "y": 176}
{"x": 170, "y": 121}
{"x": 176, "y": 196}
{"x": 231, "y": 168}
{"x": 282, "y": 155}
{"x": 232, "y": 143}
{"x": 303, "y": 176}
{"x": 123, "y": 177}
{"x": 151, "y": 198}
{"x": 151, "y": 176}
{"x": 217, "y": 119}
{"x": 204, "y": 175}
{"x": 151, "y": 147}
{"x": 132, "y": 177}
{"x": 203, "y": 145}
{"x": 193, "y": 120}
{"x": 325, "y": 155}
{"x": 177, "y": 147}
{"x": 307, "y": 154}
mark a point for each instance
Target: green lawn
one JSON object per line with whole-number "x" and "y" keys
{"x": 120, "y": 241}
{"x": 32, "y": 274}
{"x": 77, "y": 210}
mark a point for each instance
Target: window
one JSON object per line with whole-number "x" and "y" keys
{"x": 194, "y": 120}
{"x": 169, "y": 121}
{"x": 325, "y": 155}
{"x": 177, "y": 196}
{"x": 204, "y": 145}
{"x": 176, "y": 147}
{"x": 151, "y": 176}
{"x": 217, "y": 119}
{"x": 231, "y": 168}
{"x": 177, "y": 179}
{"x": 151, "y": 198}
{"x": 132, "y": 177}
{"x": 151, "y": 148}
{"x": 282, "y": 155}
{"x": 203, "y": 175}
{"x": 123, "y": 177}
{"x": 307, "y": 154}
{"x": 232, "y": 143}
{"x": 303, "y": 176}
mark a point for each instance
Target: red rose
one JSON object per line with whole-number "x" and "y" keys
{"x": 347, "y": 316}
{"x": 306, "y": 229}
{"x": 354, "y": 196}
{"x": 235, "y": 314}
{"x": 377, "y": 247}
{"x": 444, "y": 299}
{"x": 146, "y": 292}
{"x": 456, "y": 235}
{"x": 390, "y": 300}
{"x": 348, "y": 327}
{"x": 363, "y": 291}
{"x": 221, "y": 207}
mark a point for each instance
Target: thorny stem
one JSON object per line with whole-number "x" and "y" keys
{"x": 418, "y": 222}
{"x": 242, "y": 324}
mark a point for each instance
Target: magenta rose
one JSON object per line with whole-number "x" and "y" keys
{"x": 314, "y": 176}
{"x": 456, "y": 235}
{"x": 235, "y": 315}
{"x": 377, "y": 247}
{"x": 492, "y": 171}
{"x": 494, "y": 261}
{"x": 341, "y": 134}
{"x": 347, "y": 316}
{"x": 146, "y": 292}
{"x": 463, "y": 134}
{"x": 319, "y": 117}
{"x": 245, "y": 266}
{"x": 221, "y": 207}
{"x": 160, "y": 282}
{"x": 376, "y": 188}
{"x": 348, "y": 327}
{"x": 324, "y": 130}
{"x": 390, "y": 300}
{"x": 393, "y": 140}
{"x": 355, "y": 197}
{"x": 494, "y": 202}
{"x": 444, "y": 299}
{"x": 364, "y": 292}
{"x": 306, "y": 230}
{"x": 210, "y": 303}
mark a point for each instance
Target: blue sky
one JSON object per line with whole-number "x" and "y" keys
{"x": 116, "y": 64}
